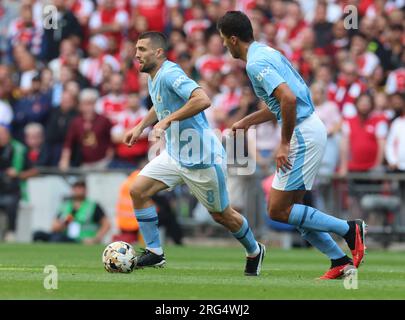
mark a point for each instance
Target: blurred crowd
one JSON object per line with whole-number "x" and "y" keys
{"x": 354, "y": 65}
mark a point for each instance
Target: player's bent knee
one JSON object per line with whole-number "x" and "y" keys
{"x": 278, "y": 214}
{"x": 225, "y": 217}
{"x": 138, "y": 194}
{"x": 218, "y": 217}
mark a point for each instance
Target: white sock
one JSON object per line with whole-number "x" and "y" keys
{"x": 158, "y": 251}
{"x": 255, "y": 253}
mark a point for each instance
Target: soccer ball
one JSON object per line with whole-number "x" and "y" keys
{"x": 120, "y": 257}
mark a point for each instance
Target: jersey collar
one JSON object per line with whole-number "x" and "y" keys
{"x": 253, "y": 45}
{"x": 157, "y": 73}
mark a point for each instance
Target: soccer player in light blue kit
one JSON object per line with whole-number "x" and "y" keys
{"x": 193, "y": 155}
{"x": 301, "y": 150}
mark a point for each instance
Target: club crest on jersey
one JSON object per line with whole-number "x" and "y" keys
{"x": 159, "y": 98}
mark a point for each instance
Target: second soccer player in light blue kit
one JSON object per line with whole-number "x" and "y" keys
{"x": 193, "y": 155}
{"x": 303, "y": 142}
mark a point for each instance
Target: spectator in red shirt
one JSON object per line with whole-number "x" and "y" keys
{"x": 396, "y": 80}
{"x": 362, "y": 149}
{"x": 214, "y": 60}
{"x": 91, "y": 67}
{"x": 89, "y": 134}
{"x": 113, "y": 104}
{"x": 363, "y": 139}
{"x": 366, "y": 61}
{"x": 198, "y": 22}
{"x": 154, "y": 11}
{"x": 109, "y": 21}
{"x": 349, "y": 88}
{"x": 133, "y": 114}
{"x": 82, "y": 9}
{"x": 129, "y": 67}
{"x": 290, "y": 28}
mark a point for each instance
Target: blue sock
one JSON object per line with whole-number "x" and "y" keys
{"x": 313, "y": 219}
{"x": 148, "y": 225}
{"x": 323, "y": 242}
{"x": 247, "y": 239}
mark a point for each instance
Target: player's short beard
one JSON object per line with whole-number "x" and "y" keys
{"x": 147, "y": 68}
{"x": 235, "y": 55}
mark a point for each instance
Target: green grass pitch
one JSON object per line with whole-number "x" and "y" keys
{"x": 192, "y": 273}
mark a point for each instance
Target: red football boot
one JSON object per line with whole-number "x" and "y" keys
{"x": 338, "y": 272}
{"x": 359, "y": 246}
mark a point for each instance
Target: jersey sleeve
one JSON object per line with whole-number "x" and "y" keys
{"x": 182, "y": 85}
{"x": 264, "y": 75}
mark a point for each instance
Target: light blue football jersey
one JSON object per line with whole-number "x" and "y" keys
{"x": 191, "y": 142}
{"x": 267, "y": 68}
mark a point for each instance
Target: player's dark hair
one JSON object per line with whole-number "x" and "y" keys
{"x": 236, "y": 23}
{"x": 158, "y": 39}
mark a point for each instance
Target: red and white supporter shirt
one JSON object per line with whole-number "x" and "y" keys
{"x": 154, "y": 11}
{"x": 345, "y": 96}
{"x": 196, "y": 25}
{"x": 126, "y": 120}
{"x": 82, "y": 8}
{"x": 30, "y": 36}
{"x": 367, "y": 63}
{"x": 209, "y": 64}
{"x": 91, "y": 68}
{"x": 103, "y": 17}
{"x": 111, "y": 106}
{"x": 395, "y": 81}
{"x": 363, "y": 137}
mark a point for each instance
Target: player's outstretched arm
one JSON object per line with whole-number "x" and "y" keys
{"x": 133, "y": 135}
{"x": 257, "y": 117}
{"x": 199, "y": 101}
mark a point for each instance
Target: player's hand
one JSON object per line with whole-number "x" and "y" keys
{"x": 241, "y": 124}
{"x": 132, "y": 136}
{"x": 160, "y": 127}
{"x": 282, "y": 161}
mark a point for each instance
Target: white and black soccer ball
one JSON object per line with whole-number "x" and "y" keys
{"x": 120, "y": 257}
